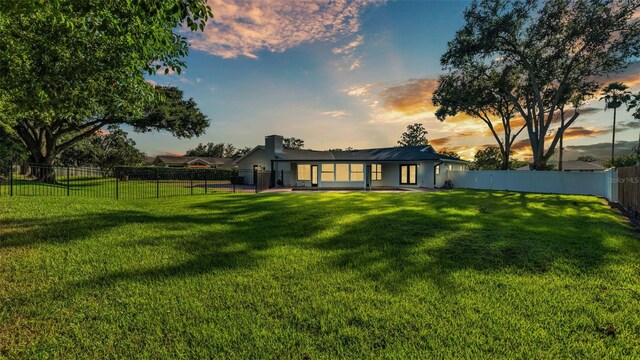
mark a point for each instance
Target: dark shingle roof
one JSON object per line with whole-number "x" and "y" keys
{"x": 408, "y": 153}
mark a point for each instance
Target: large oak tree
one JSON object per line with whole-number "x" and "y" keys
{"x": 555, "y": 50}
{"x": 70, "y": 67}
{"x": 473, "y": 91}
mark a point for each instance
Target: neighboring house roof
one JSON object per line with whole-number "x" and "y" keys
{"x": 408, "y": 153}
{"x": 572, "y": 165}
{"x": 149, "y": 159}
{"x": 188, "y": 160}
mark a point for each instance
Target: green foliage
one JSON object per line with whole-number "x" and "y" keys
{"x": 171, "y": 113}
{"x": 615, "y": 95}
{"x": 80, "y": 154}
{"x": 586, "y": 158}
{"x": 451, "y": 154}
{"x": 622, "y": 161}
{"x": 170, "y": 175}
{"x": 293, "y": 143}
{"x": 71, "y": 67}
{"x": 474, "y": 90}
{"x": 11, "y": 148}
{"x": 375, "y": 275}
{"x": 241, "y": 152}
{"x": 554, "y": 50}
{"x": 416, "y": 135}
{"x": 515, "y": 164}
{"x": 220, "y": 150}
{"x": 491, "y": 158}
{"x": 105, "y": 151}
{"x": 634, "y": 103}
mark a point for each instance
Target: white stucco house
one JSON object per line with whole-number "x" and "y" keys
{"x": 394, "y": 167}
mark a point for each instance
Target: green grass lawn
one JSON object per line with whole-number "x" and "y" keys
{"x": 454, "y": 274}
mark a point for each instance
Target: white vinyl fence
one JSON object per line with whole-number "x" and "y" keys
{"x": 598, "y": 183}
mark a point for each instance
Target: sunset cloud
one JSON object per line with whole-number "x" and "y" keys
{"x": 411, "y": 98}
{"x": 335, "y": 113}
{"x": 244, "y": 28}
{"x": 355, "y": 64}
{"x": 359, "y": 90}
{"x": 629, "y": 125}
{"x": 466, "y": 152}
{"x": 578, "y": 132}
{"x": 350, "y": 47}
{"x": 629, "y": 76}
{"x": 440, "y": 141}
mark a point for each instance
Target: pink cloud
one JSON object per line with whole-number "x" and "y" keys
{"x": 243, "y": 28}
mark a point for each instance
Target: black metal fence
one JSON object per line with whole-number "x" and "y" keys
{"x": 126, "y": 182}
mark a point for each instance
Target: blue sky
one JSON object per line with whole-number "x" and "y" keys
{"x": 346, "y": 73}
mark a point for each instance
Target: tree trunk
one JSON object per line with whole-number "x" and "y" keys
{"x": 613, "y": 140}
{"x": 42, "y": 168}
{"x": 505, "y": 157}
{"x": 561, "y": 141}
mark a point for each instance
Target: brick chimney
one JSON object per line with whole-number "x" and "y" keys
{"x": 273, "y": 144}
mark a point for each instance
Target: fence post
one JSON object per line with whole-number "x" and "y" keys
{"x": 67, "y": 180}
{"x": 191, "y": 178}
{"x": 11, "y": 179}
{"x": 117, "y": 186}
{"x": 255, "y": 180}
{"x": 205, "y": 181}
{"x": 157, "y": 183}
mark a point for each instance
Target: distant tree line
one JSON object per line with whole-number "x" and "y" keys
{"x": 217, "y": 150}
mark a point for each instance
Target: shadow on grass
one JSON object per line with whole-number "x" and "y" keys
{"x": 388, "y": 239}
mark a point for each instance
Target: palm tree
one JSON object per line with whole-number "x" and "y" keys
{"x": 614, "y": 96}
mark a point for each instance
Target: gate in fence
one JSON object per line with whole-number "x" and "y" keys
{"x": 126, "y": 182}
{"x": 629, "y": 188}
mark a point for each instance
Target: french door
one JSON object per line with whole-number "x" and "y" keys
{"x": 409, "y": 174}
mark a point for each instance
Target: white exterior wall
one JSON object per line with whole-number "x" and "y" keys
{"x": 258, "y": 157}
{"x": 391, "y": 174}
{"x": 598, "y": 183}
{"x": 425, "y": 174}
{"x": 444, "y": 172}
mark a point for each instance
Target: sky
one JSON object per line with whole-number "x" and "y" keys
{"x": 346, "y": 73}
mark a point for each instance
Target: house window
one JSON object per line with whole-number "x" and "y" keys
{"x": 449, "y": 167}
{"x": 376, "y": 172}
{"x": 328, "y": 173}
{"x": 409, "y": 174}
{"x": 357, "y": 172}
{"x": 342, "y": 172}
{"x": 304, "y": 172}
{"x": 437, "y": 169}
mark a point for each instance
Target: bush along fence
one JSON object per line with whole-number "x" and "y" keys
{"x": 126, "y": 182}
